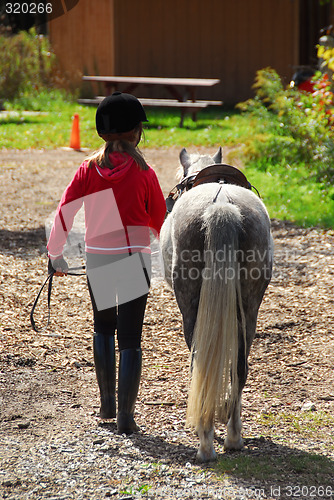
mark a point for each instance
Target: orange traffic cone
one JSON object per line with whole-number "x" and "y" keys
{"x": 75, "y": 134}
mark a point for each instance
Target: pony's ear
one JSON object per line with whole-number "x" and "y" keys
{"x": 185, "y": 160}
{"x": 217, "y": 158}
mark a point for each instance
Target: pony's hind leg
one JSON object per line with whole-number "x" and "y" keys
{"x": 233, "y": 440}
{"x": 206, "y": 452}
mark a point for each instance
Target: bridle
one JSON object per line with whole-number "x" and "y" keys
{"x": 218, "y": 173}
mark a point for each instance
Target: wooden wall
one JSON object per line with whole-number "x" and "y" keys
{"x": 83, "y": 39}
{"x": 229, "y": 40}
{"x": 226, "y": 39}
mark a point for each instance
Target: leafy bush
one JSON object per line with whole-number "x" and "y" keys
{"x": 297, "y": 126}
{"x": 26, "y": 63}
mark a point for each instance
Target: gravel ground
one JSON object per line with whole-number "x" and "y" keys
{"x": 53, "y": 444}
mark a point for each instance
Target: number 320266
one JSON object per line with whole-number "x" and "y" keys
{"x": 28, "y": 8}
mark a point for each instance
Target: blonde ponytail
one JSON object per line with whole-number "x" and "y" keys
{"x": 115, "y": 143}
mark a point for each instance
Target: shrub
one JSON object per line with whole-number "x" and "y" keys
{"x": 26, "y": 63}
{"x": 297, "y": 126}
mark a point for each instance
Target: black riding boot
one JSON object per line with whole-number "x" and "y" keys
{"x": 128, "y": 385}
{"x": 105, "y": 368}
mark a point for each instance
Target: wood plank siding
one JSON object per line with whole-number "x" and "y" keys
{"x": 83, "y": 39}
{"x": 228, "y": 40}
{"x": 225, "y": 39}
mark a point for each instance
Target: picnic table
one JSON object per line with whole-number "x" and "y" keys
{"x": 182, "y": 91}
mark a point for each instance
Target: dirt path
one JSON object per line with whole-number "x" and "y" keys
{"x": 53, "y": 445}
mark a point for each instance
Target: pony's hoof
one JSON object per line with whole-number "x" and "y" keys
{"x": 203, "y": 457}
{"x": 233, "y": 445}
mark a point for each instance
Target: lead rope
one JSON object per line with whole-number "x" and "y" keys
{"x": 49, "y": 280}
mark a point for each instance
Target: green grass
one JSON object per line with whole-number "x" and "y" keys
{"x": 276, "y": 462}
{"x": 308, "y": 423}
{"x": 290, "y": 193}
{"x": 52, "y": 128}
{"x": 285, "y": 466}
{"x": 212, "y": 128}
{"x": 48, "y": 127}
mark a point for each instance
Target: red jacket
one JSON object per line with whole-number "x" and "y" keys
{"x": 121, "y": 205}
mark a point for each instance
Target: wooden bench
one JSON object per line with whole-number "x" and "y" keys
{"x": 180, "y": 88}
{"x": 184, "y": 106}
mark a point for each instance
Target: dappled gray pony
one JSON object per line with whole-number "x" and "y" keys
{"x": 217, "y": 251}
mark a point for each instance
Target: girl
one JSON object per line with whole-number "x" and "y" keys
{"x": 123, "y": 201}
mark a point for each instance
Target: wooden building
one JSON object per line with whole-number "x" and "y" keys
{"x": 225, "y": 39}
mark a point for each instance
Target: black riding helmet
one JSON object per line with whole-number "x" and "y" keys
{"x": 119, "y": 113}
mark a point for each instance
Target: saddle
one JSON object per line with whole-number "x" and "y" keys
{"x": 222, "y": 173}
{"x": 218, "y": 173}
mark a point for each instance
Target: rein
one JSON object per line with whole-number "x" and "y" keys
{"x": 218, "y": 173}
{"x": 49, "y": 281}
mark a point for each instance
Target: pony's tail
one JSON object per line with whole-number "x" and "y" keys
{"x": 215, "y": 341}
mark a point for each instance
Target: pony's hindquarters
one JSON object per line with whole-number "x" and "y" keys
{"x": 214, "y": 385}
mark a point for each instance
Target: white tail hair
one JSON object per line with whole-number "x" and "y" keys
{"x": 215, "y": 341}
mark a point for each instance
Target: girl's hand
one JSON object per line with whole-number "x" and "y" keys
{"x": 58, "y": 266}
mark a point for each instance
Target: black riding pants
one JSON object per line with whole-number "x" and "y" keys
{"x": 126, "y": 318}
